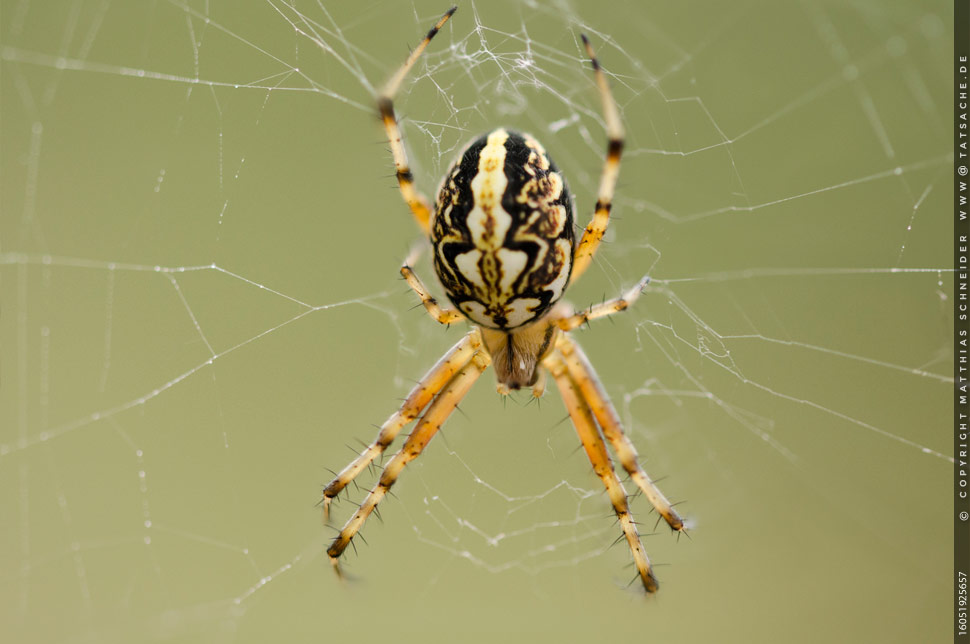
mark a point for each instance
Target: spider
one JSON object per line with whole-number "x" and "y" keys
{"x": 504, "y": 249}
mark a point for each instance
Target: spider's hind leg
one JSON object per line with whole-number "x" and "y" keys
{"x": 593, "y": 234}
{"x": 416, "y": 201}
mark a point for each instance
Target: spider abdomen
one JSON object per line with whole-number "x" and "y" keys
{"x": 502, "y": 231}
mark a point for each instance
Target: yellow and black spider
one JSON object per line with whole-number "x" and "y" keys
{"x": 504, "y": 250}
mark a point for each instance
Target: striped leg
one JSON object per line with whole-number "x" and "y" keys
{"x": 442, "y": 316}
{"x": 437, "y": 377}
{"x": 605, "y": 309}
{"x": 416, "y": 201}
{"x": 582, "y": 374}
{"x": 424, "y": 431}
{"x": 592, "y": 441}
{"x": 594, "y": 232}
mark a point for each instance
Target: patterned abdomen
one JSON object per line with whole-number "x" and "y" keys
{"x": 502, "y": 231}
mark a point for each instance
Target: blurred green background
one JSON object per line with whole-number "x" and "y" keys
{"x": 201, "y": 311}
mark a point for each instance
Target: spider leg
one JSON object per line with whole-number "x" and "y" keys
{"x": 592, "y": 440}
{"x": 604, "y": 309}
{"x": 437, "y": 377}
{"x": 539, "y": 388}
{"x": 581, "y": 373}
{"x": 594, "y": 232}
{"x": 441, "y": 315}
{"x": 423, "y": 432}
{"x": 416, "y": 201}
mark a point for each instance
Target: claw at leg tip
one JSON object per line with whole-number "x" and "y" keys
{"x": 336, "y": 567}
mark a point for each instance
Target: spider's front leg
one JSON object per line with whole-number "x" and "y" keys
{"x": 424, "y": 431}
{"x": 582, "y": 374}
{"x": 422, "y": 393}
{"x": 437, "y": 377}
{"x": 592, "y": 440}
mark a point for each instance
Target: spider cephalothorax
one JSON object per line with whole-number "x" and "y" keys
{"x": 504, "y": 251}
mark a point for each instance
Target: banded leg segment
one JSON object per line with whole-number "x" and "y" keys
{"x": 596, "y": 228}
{"x": 582, "y": 374}
{"x": 437, "y": 377}
{"x": 416, "y": 201}
{"x": 441, "y": 315}
{"x": 592, "y": 442}
{"x": 424, "y": 431}
{"x": 605, "y": 309}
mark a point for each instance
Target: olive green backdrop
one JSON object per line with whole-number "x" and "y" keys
{"x": 201, "y": 311}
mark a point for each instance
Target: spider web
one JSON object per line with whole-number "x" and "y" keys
{"x": 201, "y": 312}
